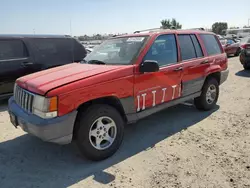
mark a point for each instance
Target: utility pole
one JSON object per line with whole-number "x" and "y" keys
{"x": 248, "y": 22}
{"x": 34, "y": 31}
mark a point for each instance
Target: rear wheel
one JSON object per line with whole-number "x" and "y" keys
{"x": 100, "y": 132}
{"x": 237, "y": 52}
{"x": 246, "y": 67}
{"x": 209, "y": 95}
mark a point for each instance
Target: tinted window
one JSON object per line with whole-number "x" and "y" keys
{"x": 163, "y": 50}
{"x": 187, "y": 47}
{"x": 12, "y": 49}
{"x": 57, "y": 50}
{"x": 197, "y": 46}
{"x": 211, "y": 44}
{"x": 79, "y": 51}
{"x": 46, "y": 46}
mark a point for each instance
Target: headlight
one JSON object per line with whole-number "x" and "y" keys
{"x": 45, "y": 107}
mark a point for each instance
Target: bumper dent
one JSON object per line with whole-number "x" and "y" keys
{"x": 224, "y": 76}
{"x": 57, "y": 130}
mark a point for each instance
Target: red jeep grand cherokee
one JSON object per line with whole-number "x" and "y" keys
{"x": 123, "y": 80}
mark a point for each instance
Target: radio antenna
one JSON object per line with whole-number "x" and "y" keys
{"x": 71, "y": 38}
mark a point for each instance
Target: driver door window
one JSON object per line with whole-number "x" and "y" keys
{"x": 163, "y": 50}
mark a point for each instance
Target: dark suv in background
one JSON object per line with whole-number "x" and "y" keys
{"x": 245, "y": 52}
{"x": 24, "y": 54}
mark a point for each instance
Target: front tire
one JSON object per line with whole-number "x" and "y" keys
{"x": 209, "y": 95}
{"x": 100, "y": 132}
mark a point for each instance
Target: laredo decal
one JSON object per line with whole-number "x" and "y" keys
{"x": 154, "y": 96}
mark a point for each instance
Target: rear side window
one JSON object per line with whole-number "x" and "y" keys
{"x": 55, "y": 50}
{"x": 187, "y": 47}
{"x": 12, "y": 49}
{"x": 197, "y": 46}
{"x": 211, "y": 44}
{"x": 46, "y": 46}
{"x": 65, "y": 50}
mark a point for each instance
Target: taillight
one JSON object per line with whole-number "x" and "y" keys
{"x": 245, "y": 46}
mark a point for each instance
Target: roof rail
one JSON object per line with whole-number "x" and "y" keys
{"x": 172, "y": 27}
{"x": 153, "y": 29}
{"x": 199, "y": 28}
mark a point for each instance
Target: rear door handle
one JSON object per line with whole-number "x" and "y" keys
{"x": 205, "y": 61}
{"x": 178, "y": 69}
{"x": 27, "y": 63}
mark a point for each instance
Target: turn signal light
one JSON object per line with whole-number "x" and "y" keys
{"x": 53, "y": 104}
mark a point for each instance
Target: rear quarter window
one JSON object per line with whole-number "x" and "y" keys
{"x": 79, "y": 51}
{"x": 211, "y": 44}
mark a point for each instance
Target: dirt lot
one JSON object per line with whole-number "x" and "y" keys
{"x": 180, "y": 147}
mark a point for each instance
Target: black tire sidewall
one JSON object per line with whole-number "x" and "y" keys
{"x": 238, "y": 52}
{"x": 86, "y": 120}
{"x": 245, "y": 66}
{"x": 205, "y": 105}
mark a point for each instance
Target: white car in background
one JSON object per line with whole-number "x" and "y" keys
{"x": 89, "y": 50}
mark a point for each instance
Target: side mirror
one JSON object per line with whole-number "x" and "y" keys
{"x": 149, "y": 66}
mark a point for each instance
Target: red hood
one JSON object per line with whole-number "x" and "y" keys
{"x": 43, "y": 81}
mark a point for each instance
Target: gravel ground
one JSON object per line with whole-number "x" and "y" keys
{"x": 179, "y": 147}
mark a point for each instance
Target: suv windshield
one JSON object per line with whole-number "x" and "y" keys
{"x": 117, "y": 51}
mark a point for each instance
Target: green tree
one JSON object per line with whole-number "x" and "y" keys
{"x": 168, "y": 24}
{"x": 218, "y": 27}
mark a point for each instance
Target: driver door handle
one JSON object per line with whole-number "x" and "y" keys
{"x": 205, "y": 61}
{"x": 178, "y": 69}
{"x": 27, "y": 63}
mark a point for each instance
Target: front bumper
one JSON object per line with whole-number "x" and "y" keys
{"x": 224, "y": 75}
{"x": 57, "y": 130}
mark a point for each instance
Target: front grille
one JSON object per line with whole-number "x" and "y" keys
{"x": 24, "y": 98}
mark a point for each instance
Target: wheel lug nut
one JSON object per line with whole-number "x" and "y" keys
{"x": 98, "y": 132}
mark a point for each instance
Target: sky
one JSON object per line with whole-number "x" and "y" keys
{"x": 79, "y": 17}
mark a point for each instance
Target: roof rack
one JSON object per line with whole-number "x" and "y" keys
{"x": 199, "y": 28}
{"x": 172, "y": 27}
{"x": 152, "y": 30}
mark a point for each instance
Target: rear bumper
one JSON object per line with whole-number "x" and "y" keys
{"x": 57, "y": 130}
{"x": 224, "y": 76}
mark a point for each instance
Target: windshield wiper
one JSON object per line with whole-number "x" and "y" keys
{"x": 98, "y": 62}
